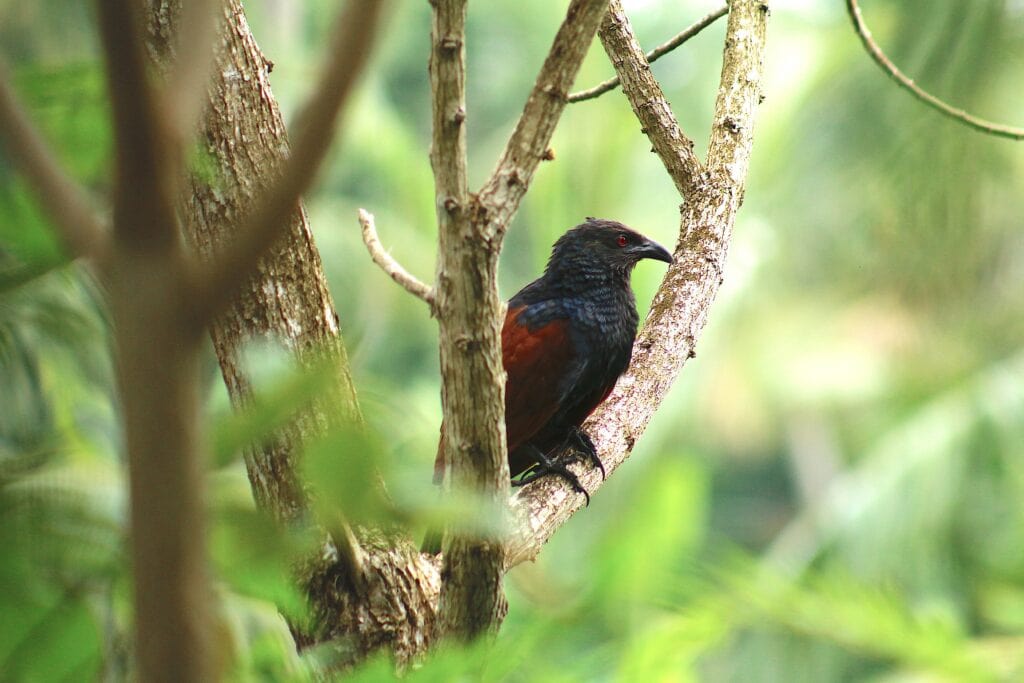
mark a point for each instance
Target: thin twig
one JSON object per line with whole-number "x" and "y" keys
{"x": 655, "y": 54}
{"x": 904, "y": 81}
{"x": 648, "y": 101}
{"x": 350, "y": 553}
{"x": 216, "y": 282}
{"x": 59, "y": 196}
{"x": 389, "y": 265}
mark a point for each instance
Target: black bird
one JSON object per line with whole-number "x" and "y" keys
{"x": 567, "y": 338}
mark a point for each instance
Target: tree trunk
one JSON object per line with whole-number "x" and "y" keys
{"x": 287, "y": 300}
{"x": 243, "y": 134}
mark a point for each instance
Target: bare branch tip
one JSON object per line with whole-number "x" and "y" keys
{"x": 389, "y": 264}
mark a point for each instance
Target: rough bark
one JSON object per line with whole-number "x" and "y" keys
{"x": 242, "y": 135}
{"x": 242, "y": 138}
{"x": 467, "y": 303}
{"x": 216, "y": 281}
{"x": 394, "y": 609}
{"x": 467, "y": 306}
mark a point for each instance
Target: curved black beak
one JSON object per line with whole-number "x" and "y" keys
{"x": 653, "y": 250}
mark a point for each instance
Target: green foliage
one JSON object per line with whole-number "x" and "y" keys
{"x": 834, "y": 491}
{"x": 270, "y": 408}
{"x": 49, "y": 612}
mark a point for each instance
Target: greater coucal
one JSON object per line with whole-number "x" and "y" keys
{"x": 567, "y": 338}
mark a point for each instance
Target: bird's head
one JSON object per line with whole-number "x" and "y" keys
{"x": 599, "y": 245}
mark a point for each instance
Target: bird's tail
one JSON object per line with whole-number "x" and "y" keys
{"x": 432, "y": 541}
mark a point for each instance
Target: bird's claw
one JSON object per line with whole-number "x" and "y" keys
{"x": 581, "y": 441}
{"x": 546, "y": 466}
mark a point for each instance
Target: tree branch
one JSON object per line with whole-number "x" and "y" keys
{"x": 472, "y": 390}
{"x": 157, "y": 372}
{"x": 499, "y": 198}
{"x": 144, "y": 202}
{"x": 648, "y": 101}
{"x": 389, "y": 265}
{"x": 58, "y": 195}
{"x": 908, "y": 84}
{"x": 680, "y": 307}
{"x": 655, "y": 54}
{"x": 468, "y": 305}
{"x": 216, "y": 282}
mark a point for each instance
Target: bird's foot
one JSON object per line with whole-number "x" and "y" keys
{"x": 546, "y": 466}
{"x": 581, "y": 441}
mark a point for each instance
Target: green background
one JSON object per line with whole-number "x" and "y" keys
{"x": 832, "y": 491}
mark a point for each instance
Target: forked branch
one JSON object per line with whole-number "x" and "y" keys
{"x": 648, "y": 101}
{"x": 681, "y": 304}
{"x": 144, "y": 215}
{"x": 528, "y": 145}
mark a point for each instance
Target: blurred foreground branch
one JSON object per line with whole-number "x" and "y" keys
{"x": 61, "y": 197}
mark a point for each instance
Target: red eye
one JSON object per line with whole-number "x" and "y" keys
{"x": 622, "y": 240}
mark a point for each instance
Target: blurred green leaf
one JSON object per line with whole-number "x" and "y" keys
{"x": 45, "y": 598}
{"x": 342, "y": 469}
{"x": 269, "y": 409}
{"x": 644, "y": 547}
{"x": 14, "y": 275}
{"x": 64, "y": 624}
{"x": 256, "y": 557}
